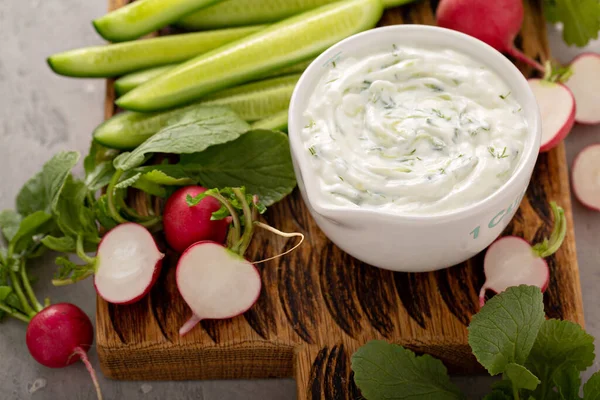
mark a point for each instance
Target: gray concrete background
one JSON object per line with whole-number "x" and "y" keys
{"x": 41, "y": 113}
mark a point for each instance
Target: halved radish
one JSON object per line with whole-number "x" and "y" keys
{"x": 127, "y": 264}
{"x": 557, "y": 107}
{"x": 512, "y": 261}
{"x": 216, "y": 283}
{"x": 585, "y": 85}
{"x": 586, "y": 176}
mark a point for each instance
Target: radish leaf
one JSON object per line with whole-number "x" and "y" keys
{"x": 567, "y": 382}
{"x": 63, "y": 244}
{"x": 41, "y": 192}
{"x": 591, "y": 390}
{"x": 9, "y": 223}
{"x": 521, "y": 377}
{"x": 71, "y": 214}
{"x": 259, "y": 160}
{"x": 32, "y": 196}
{"x": 388, "y": 371}
{"x": 191, "y": 132}
{"x": 580, "y": 19}
{"x": 558, "y": 345}
{"x": 505, "y": 329}
{"x": 30, "y": 226}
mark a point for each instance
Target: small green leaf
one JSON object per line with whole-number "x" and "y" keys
{"x": 567, "y": 382}
{"x": 388, "y": 371}
{"x": 102, "y": 214}
{"x": 41, "y": 192}
{"x": 259, "y": 160}
{"x": 33, "y": 224}
{"x": 521, "y": 377}
{"x": 63, "y": 244}
{"x": 4, "y": 292}
{"x": 172, "y": 176}
{"x": 559, "y": 344}
{"x": 56, "y": 172}
{"x": 71, "y": 214}
{"x": 32, "y": 196}
{"x": 192, "y": 132}
{"x": 128, "y": 181}
{"x": 580, "y": 19}
{"x": 150, "y": 188}
{"x": 98, "y": 166}
{"x": 69, "y": 270}
{"x": 9, "y": 223}
{"x": 591, "y": 389}
{"x": 505, "y": 329}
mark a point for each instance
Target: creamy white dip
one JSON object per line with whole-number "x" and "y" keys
{"x": 412, "y": 131}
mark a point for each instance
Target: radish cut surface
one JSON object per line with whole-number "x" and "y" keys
{"x": 510, "y": 261}
{"x": 216, "y": 283}
{"x": 586, "y": 177}
{"x": 585, "y": 85}
{"x": 128, "y": 264}
{"x": 557, "y": 108}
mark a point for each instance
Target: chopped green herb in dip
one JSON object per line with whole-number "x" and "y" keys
{"x": 413, "y": 131}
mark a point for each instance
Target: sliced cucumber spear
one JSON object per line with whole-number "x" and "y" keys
{"x": 129, "y": 82}
{"x": 254, "y": 101}
{"x": 249, "y": 12}
{"x": 144, "y": 16}
{"x": 279, "y": 45}
{"x": 121, "y": 58}
{"x": 276, "y": 122}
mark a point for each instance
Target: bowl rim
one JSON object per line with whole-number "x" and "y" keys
{"x": 488, "y": 56}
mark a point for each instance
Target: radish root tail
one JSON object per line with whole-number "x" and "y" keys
{"x": 88, "y": 365}
{"x": 282, "y": 234}
{"x": 189, "y": 325}
{"x": 482, "y": 296}
{"x": 520, "y": 56}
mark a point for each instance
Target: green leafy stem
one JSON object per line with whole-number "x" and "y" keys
{"x": 115, "y": 199}
{"x": 243, "y": 210}
{"x": 551, "y": 245}
{"x": 70, "y": 272}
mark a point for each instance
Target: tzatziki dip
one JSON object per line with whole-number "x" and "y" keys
{"x": 412, "y": 131}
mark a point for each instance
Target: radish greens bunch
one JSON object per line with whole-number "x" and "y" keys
{"x": 538, "y": 359}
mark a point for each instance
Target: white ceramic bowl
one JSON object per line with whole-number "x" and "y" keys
{"x": 415, "y": 243}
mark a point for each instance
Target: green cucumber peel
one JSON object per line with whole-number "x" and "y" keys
{"x": 123, "y": 58}
{"x": 144, "y": 16}
{"x": 236, "y": 62}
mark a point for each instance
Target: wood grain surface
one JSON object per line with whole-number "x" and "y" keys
{"x": 318, "y": 305}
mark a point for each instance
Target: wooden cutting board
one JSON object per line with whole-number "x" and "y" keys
{"x": 318, "y": 305}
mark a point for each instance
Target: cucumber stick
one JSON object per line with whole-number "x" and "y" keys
{"x": 129, "y": 82}
{"x": 230, "y": 13}
{"x": 254, "y": 101}
{"x": 276, "y": 122}
{"x": 279, "y": 45}
{"x": 121, "y": 58}
{"x": 144, "y": 16}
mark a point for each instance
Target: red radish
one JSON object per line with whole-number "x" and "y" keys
{"x": 511, "y": 261}
{"x": 60, "y": 335}
{"x": 495, "y": 22}
{"x": 127, "y": 264}
{"x": 585, "y": 85}
{"x": 586, "y": 176}
{"x": 216, "y": 283}
{"x": 557, "y": 107}
{"x": 185, "y": 225}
